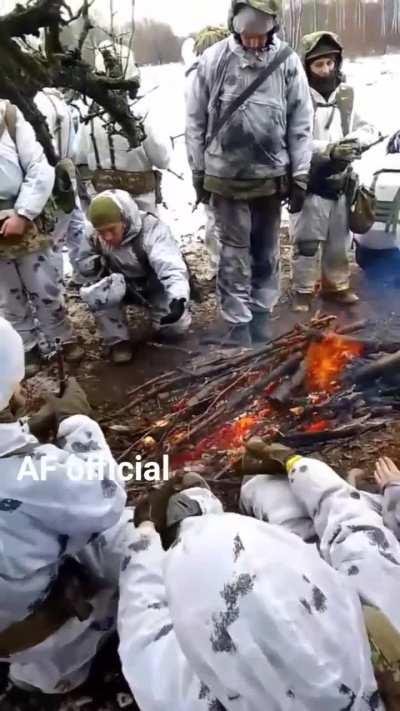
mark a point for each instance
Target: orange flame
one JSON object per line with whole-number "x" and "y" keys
{"x": 327, "y": 359}
{"x": 319, "y": 426}
{"x": 228, "y": 437}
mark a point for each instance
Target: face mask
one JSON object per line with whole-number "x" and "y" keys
{"x": 324, "y": 85}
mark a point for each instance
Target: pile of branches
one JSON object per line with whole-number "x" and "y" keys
{"x": 24, "y": 72}
{"x": 200, "y": 412}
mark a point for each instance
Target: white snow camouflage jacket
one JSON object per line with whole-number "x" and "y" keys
{"x": 328, "y": 129}
{"x": 25, "y": 175}
{"x": 42, "y": 521}
{"x": 168, "y": 269}
{"x": 269, "y": 135}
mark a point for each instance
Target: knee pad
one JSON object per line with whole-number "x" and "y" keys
{"x": 308, "y": 249}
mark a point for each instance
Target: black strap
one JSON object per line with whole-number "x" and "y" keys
{"x": 280, "y": 58}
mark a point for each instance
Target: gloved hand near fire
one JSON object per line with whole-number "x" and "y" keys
{"x": 263, "y": 458}
{"x": 176, "y": 311}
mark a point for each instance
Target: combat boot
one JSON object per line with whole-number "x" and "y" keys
{"x": 228, "y": 335}
{"x": 343, "y": 298}
{"x": 260, "y": 327}
{"x": 33, "y": 362}
{"x": 301, "y": 303}
{"x": 121, "y": 352}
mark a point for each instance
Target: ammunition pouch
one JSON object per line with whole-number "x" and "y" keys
{"x": 34, "y": 240}
{"x": 328, "y": 180}
{"x": 68, "y": 598}
{"x": 135, "y": 183}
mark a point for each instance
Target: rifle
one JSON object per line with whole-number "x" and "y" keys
{"x": 62, "y": 376}
{"x": 175, "y": 138}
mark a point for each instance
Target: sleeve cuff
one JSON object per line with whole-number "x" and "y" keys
{"x": 292, "y": 462}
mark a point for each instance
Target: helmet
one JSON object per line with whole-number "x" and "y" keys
{"x": 319, "y": 44}
{"x": 270, "y": 7}
{"x": 209, "y": 36}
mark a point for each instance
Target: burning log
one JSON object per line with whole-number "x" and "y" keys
{"x": 385, "y": 366}
{"x": 300, "y": 440}
{"x": 283, "y": 393}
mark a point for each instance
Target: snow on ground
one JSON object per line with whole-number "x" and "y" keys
{"x": 376, "y": 80}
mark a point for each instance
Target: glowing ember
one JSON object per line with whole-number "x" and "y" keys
{"x": 327, "y": 359}
{"x": 320, "y": 426}
{"x": 228, "y": 437}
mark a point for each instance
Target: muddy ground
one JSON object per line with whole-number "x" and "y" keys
{"x": 108, "y": 388}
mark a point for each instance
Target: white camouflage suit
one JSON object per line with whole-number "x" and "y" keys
{"x": 320, "y": 232}
{"x": 268, "y": 137}
{"x": 155, "y": 151}
{"x": 239, "y": 615}
{"x": 212, "y": 236}
{"x": 42, "y": 522}
{"x": 30, "y": 296}
{"x": 70, "y": 227}
{"x": 162, "y": 279}
{"x": 354, "y": 533}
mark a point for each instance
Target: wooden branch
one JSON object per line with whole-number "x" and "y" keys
{"x": 387, "y": 365}
{"x": 29, "y": 20}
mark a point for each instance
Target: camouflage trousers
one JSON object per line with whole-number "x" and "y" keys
{"x": 322, "y": 241}
{"x": 248, "y": 278}
{"x": 68, "y": 233}
{"x": 31, "y": 299}
{"x": 108, "y": 298}
{"x": 352, "y": 535}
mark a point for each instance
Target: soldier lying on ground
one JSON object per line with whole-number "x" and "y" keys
{"x": 237, "y": 614}
{"x": 59, "y": 563}
{"x": 144, "y": 266}
{"x": 354, "y": 531}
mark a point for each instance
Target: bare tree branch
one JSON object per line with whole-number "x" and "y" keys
{"x": 24, "y": 73}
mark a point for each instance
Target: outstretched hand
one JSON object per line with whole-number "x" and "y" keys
{"x": 386, "y": 473}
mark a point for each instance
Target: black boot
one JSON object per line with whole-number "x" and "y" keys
{"x": 228, "y": 335}
{"x": 260, "y": 327}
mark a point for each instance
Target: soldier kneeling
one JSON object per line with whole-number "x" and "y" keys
{"x": 133, "y": 259}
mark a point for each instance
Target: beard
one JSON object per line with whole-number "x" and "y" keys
{"x": 324, "y": 85}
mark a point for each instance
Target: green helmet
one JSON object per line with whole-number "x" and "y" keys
{"x": 318, "y": 44}
{"x": 270, "y": 7}
{"x": 209, "y": 36}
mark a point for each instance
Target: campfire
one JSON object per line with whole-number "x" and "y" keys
{"x": 314, "y": 385}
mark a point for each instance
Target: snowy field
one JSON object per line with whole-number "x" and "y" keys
{"x": 376, "y": 80}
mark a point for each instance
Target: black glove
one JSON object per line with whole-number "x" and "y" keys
{"x": 297, "y": 196}
{"x": 202, "y": 195}
{"x": 176, "y": 311}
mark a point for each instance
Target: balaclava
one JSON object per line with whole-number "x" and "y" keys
{"x": 316, "y": 46}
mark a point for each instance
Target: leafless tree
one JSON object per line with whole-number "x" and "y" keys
{"x": 25, "y": 72}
